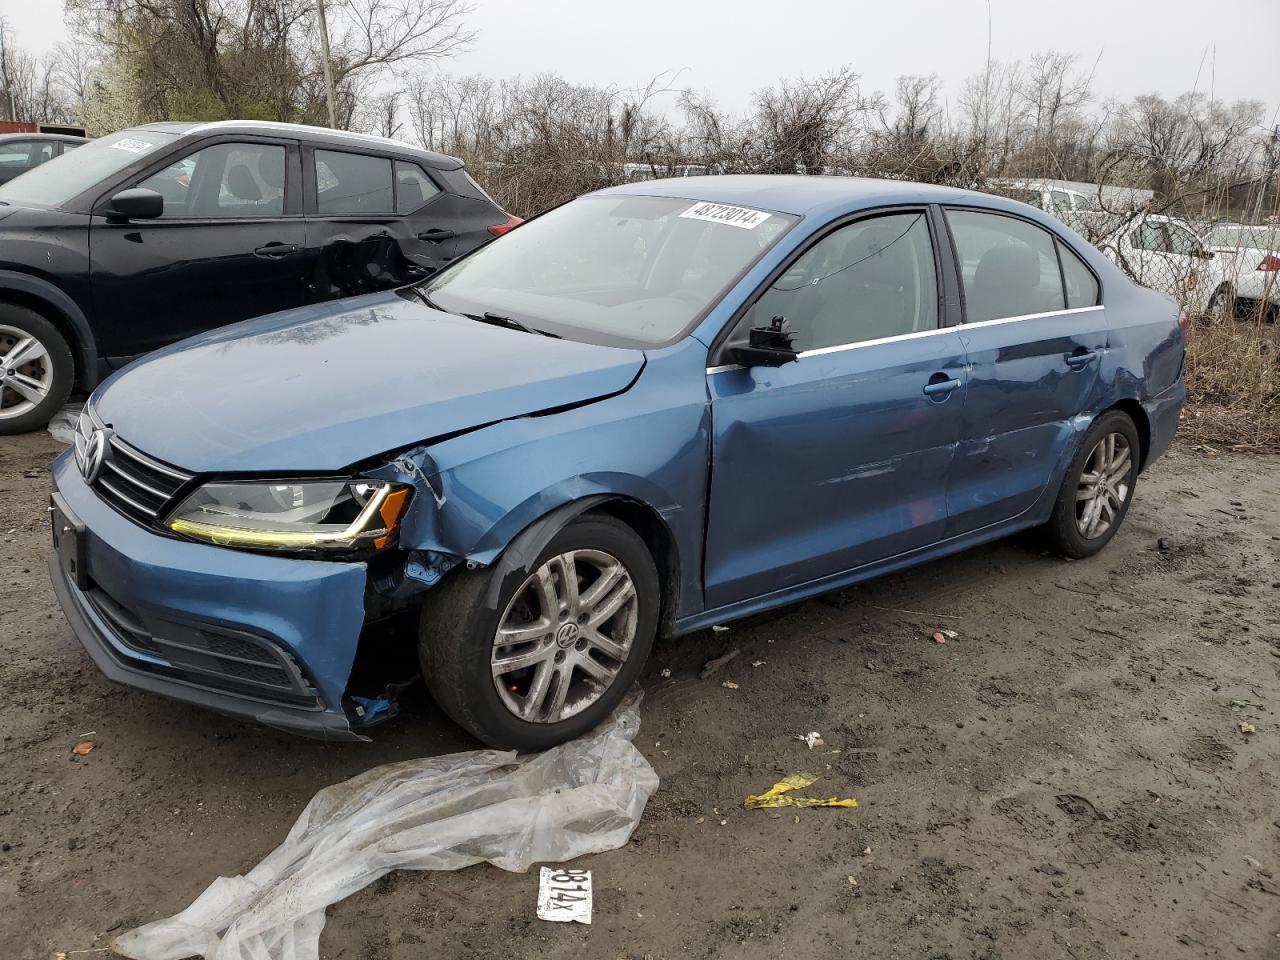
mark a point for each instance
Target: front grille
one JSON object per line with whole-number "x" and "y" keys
{"x": 204, "y": 655}
{"x": 139, "y": 486}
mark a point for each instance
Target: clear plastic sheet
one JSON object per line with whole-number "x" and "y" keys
{"x": 443, "y": 813}
{"x": 63, "y": 425}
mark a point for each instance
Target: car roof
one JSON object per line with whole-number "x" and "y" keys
{"x": 65, "y": 137}
{"x": 316, "y": 135}
{"x": 809, "y": 195}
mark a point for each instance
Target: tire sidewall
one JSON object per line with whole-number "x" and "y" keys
{"x": 60, "y": 358}
{"x": 487, "y": 716}
{"x": 1072, "y": 542}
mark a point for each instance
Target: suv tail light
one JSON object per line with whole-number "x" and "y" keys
{"x": 512, "y": 221}
{"x": 1184, "y": 324}
{"x": 1269, "y": 263}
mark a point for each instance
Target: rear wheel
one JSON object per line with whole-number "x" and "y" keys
{"x": 548, "y": 654}
{"x": 36, "y": 370}
{"x": 1222, "y": 304}
{"x": 1097, "y": 489}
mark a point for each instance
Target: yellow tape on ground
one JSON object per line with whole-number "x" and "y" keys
{"x": 777, "y": 795}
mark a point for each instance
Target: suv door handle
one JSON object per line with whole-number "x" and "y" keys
{"x": 939, "y": 387}
{"x": 1081, "y": 359}
{"x": 274, "y": 251}
{"x": 436, "y": 234}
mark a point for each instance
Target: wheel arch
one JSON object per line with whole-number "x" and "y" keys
{"x": 59, "y": 309}
{"x": 519, "y": 555}
{"x": 1141, "y": 422}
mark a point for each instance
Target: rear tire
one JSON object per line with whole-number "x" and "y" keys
{"x": 36, "y": 370}
{"x": 1097, "y": 489}
{"x": 1222, "y": 305}
{"x": 567, "y": 665}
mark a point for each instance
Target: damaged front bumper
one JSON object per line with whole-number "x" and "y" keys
{"x": 263, "y": 638}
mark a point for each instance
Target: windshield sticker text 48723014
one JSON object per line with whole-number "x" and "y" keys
{"x": 743, "y": 217}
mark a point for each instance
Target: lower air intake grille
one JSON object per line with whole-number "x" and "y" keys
{"x": 206, "y": 656}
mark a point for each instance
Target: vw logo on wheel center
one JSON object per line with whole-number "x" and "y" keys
{"x": 95, "y": 451}
{"x": 567, "y": 635}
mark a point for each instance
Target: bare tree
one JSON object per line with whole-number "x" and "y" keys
{"x": 260, "y": 59}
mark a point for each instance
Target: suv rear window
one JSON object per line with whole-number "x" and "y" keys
{"x": 353, "y": 183}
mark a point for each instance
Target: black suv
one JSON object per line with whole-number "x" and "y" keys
{"x": 156, "y": 233}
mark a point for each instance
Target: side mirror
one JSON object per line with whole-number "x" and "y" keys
{"x": 138, "y": 203}
{"x": 769, "y": 346}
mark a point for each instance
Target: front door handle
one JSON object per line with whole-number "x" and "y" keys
{"x": 274, "y": 251}
{"x": 939, "y": 387}
{"x": 1081, "y": 359}
{"x": 436, "y": 234}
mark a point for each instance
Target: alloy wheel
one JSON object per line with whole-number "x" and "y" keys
{"x": 26, "y": 372}
{"x": 1104, "y": 486}
{"x": 564, "y": 636}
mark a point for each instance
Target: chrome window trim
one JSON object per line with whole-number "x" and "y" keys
{"x": 840, "y": 348}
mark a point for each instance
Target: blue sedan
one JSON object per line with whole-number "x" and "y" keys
{"x": 656, "y": 408}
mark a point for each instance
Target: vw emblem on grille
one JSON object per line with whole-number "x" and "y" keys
{"x": 95, "y": 451}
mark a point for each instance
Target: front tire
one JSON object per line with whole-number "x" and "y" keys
{"x": 36, "y": 370}
{"x": 1098, "y": 488}
{"x": 560, "y": 647}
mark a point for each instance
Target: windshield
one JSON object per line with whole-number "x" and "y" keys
{"x": 54, "y": 183}
{"x": 625, "y": 270}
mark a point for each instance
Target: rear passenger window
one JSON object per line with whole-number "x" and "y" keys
{"x": 872, "y": 279}
{"x": 1008, "y": 267}
{"x": 352, "y": 183}
{"x": 413, "y": 187}
{"x": 1081, "y": 286}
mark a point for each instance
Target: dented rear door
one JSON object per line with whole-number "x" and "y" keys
{"x": 356, "y": 240}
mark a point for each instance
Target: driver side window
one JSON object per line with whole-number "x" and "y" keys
{"x": 872, "y": 279}
{"x": 224, "y": 181}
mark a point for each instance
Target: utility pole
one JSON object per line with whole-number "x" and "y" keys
{"x": 331, "y": 93}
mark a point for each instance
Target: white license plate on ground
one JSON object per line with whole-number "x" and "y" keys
{"x": 564, "y": 896}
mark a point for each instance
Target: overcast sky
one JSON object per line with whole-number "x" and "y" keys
{"x": 1228, "y": 47}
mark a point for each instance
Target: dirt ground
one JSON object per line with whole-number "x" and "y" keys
{"x": 1067, "y": 778}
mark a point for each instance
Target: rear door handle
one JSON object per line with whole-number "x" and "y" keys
{"x": 274, "y": 251}
{"x": 435, "y": 235}
{"x": 940, "y": 388}
{"x": 1078, "y": 361}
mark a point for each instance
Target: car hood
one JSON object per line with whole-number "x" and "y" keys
{"x": 323, "y": 387}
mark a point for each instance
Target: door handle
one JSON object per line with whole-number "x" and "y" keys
{"x": 436, "y": 234}
{"x": 274, "y": 251}
{"x": 939, "y": 387}
{"x": 1081, "y": 359}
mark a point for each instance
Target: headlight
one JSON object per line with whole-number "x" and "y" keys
{"x": 303, "y": 515}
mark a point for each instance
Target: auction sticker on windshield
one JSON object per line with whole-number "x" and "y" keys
{"x": 131, "y": 145}
{"x": 743, "y": 217}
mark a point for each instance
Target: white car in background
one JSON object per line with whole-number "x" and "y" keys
{"x": 1166, "y": 254}
{"x": 1250, "y": 275}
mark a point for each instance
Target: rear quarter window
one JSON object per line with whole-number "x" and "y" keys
{"x": 1080, "y": 283}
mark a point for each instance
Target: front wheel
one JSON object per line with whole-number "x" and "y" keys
{"x": 36, "y": 370}
{"x": 552, "y": 651}
{"x": 1097, "y": 489}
